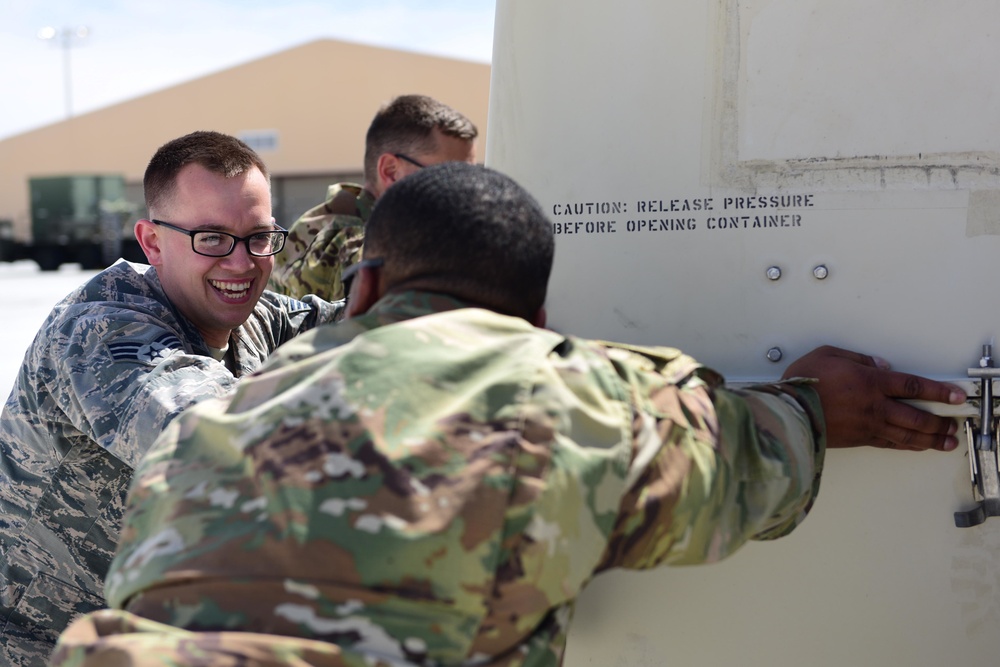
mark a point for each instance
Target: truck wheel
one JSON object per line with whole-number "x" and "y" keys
{"x": 48, "y": 259}
{"x": 90, "y": 257}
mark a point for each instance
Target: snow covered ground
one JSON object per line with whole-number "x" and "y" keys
{"x": 26, "y": 297}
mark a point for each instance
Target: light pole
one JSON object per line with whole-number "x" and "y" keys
{"x": 67, "y": 37}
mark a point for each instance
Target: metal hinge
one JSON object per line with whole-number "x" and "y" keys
{"x": 982, "y": 436}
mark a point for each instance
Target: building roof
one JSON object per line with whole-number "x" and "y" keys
{"x": 316, "y": 99}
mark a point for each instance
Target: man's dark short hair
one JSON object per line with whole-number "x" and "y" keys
{"x": 219, "y": 153}
{"x": 406, "y": 125}
{"x": 470, "y": 229}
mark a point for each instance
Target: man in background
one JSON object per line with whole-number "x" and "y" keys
{"x": 434, "y": 480}
{"x": 116, "y": 360}
{"x": 407, "y": 134}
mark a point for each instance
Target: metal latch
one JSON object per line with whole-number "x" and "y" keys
{"x": 983, "y": 442}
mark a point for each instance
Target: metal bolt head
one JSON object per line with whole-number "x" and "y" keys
{"x": 773, "y": 273}
{"x": 821, "y": 272}
{"x": 774, "y": 354}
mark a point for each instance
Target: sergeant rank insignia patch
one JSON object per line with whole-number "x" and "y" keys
{"x": 145, "y": 350}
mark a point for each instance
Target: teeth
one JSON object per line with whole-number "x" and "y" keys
{"x": 235, "y": 290}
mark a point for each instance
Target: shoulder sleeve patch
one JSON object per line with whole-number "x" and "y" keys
{"x": 143, "y": 349}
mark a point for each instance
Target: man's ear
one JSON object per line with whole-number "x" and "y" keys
{"x": 540, "y": 318}
{"x": 387, "y": 170}
{"x": 365, "y": 291}
{"x": 147, "y": 234}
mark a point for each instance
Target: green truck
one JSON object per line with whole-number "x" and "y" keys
{"x": 82, "y": 218}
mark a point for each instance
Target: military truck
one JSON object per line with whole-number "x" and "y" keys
{"x": 81, "y": 218}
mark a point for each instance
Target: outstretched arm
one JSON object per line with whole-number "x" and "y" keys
{"x": 860, "y": 399}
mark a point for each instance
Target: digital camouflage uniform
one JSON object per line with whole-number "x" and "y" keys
{"x": 109, "y": 367}
{"x": 322, "y": 243}
{"x": 430, "y": 484}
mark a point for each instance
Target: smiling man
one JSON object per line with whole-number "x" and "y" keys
{"x": 116, "y": 360}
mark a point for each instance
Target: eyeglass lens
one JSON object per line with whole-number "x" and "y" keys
{"x": 218, "y": 244}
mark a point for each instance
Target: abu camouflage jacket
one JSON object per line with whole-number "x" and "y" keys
{"x": 432, "y": 484}
{"x": 111, "y": 365}
{"x": 327, "y": 239}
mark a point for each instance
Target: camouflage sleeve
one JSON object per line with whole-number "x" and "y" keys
{"x": 320, "y": 246}
{"x": 278, "y": 319}
{"x": 316, "y": 311}
{"x": 116, "y": 637}
{"x": 124, "y": 375}
{"x": 712, "y": 467}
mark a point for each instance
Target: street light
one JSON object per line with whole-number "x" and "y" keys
{"x": 67, "y": 37}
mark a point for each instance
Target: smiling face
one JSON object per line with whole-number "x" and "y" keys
{"x": 217, "y": 294}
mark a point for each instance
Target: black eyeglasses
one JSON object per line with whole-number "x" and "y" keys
{"x": 347, "y": 277}
{"x": 407, "y": 158}
{"x": 220, "y": 244}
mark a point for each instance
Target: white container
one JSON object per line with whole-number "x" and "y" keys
{"x": 735, "y": 177}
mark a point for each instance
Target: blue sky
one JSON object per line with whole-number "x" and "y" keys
{"x": 134, "y": 47}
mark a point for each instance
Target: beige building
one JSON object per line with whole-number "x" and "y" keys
{"x": 305, "y": 110}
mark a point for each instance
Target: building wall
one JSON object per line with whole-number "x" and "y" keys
{"x": 316, "y": 99}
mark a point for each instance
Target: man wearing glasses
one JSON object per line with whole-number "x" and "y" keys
{"x": 407, "y": 134}
{"x": 116, "y": 360}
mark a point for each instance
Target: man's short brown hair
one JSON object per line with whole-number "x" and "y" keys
{"x": 406, "y": 124}
{"x": 219, "y": 153}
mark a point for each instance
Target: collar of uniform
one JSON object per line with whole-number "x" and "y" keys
{"x": 406, "y": 305}
{"x": 349, "y": 199}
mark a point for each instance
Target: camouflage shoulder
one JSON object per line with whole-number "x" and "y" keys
{"x": 120, "y": 278}
{"x": 114, "y": 637}
{"x": 314, "y": 264}
{"x": 669, "y": 362}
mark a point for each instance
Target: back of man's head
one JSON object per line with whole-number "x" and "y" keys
{"x": 406, "y": 125}
{"x": 468, "y": 231}
{"x": 216, "y": 152}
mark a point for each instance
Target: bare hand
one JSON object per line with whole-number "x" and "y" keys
{"x": 859, "y": 395}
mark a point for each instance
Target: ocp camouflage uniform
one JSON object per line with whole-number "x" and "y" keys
{"x": 111, "y": 365}
{"x": 322, "y": 243}
{"x": 431, "y": 484}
